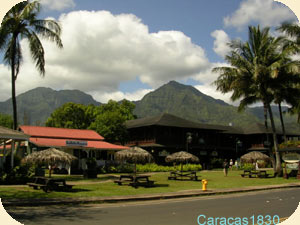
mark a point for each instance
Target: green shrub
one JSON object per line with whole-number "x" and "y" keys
{"x": 247, "y": 166}
{"x": 216, "y": 162}
{"x": 289, "y": 144}
{"x": 18, "y": 175}
{"x": 149, "y": 167}
{"x": 152, "y": 167}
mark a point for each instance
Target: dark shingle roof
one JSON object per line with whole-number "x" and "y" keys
{"x": 166, "y": 119}
{"x": 6, "y": 133}
{"x": 170, "y": 120}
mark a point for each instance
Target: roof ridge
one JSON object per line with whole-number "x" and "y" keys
{"x": 56, "y": 128}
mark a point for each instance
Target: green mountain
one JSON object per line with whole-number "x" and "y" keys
{"x": 189, "y": 103}
{"x": 36, "y": 105}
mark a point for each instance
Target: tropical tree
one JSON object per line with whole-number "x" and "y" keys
{"x": 71, "y": 115}
{"x": 254, "y": 67}
{"x": 285, "y": 87}
{"x": 6, "y": 121}
{"x": 292, "y": 30}
{"x": 292, "y": 34}
{"x": 111, "y": 118}
{"x": 21, "y": 22}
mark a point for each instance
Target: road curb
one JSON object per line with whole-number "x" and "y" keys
{"x": 114, "y": 199}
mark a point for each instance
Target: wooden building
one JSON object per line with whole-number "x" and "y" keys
{"x": 165, "y": 134}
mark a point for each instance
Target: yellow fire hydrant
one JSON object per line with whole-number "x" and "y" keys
{"x": 204, "y": 184}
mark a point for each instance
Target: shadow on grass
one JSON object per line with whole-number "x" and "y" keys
{"x": 75, "y": 190}
{"x": 161, "y": 185}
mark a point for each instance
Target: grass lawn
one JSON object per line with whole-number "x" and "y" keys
{"x": 99, "y": 188}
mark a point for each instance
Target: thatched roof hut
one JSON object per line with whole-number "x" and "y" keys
{"x": 182, "y": 157}
{"x": 50, "y": 156}
{"x": 134, "y": 155}
{"x": 254, "y": 156}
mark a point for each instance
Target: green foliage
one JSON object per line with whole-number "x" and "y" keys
{"x": 122, "y": 168}
{"x": 18, "y": 175}
{"x": 217, "y": 162}
{"x": 152, "y": 167}
{"x": 107, "y": 119}
{"x": 289, "y": 144}
{"x": 247, "y": 166}
{"x": 6, "y": 121}
{"x": 91, "y": 163}
{"x": 71, "y": 115}
{"x": 110, "y": 120}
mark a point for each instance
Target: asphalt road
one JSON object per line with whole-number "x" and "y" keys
{"x": 268, "y": 205}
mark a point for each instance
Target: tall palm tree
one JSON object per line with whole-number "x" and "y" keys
{"x": 254, "y": 64}
{"x": 286, "y": 87}
{"x": 292, "y": 32}
{"x": 21, "y": 22}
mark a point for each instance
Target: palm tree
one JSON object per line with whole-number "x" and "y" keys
{"x": 292, "y": 32}
{"x": 286, "y": 87}
{"x": 254, "y": 66}
{"x": 21, "y": 22}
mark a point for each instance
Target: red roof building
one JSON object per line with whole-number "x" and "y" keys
{"x": 82, "y": 144}
{"x": 67, "y": 138}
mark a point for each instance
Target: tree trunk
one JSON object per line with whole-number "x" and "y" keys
{"x": 266, "y": 118}
{"x": 268, "y": 138}
{"x": 13, "y": 84}
{"x": 282, "y": 123}
{"x": 278, "y": 168}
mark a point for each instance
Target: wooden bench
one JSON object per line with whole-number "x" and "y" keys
{"x": 135, "y": 180}
{"x": 49, "y": 184}
{"x": 120, "y": 182}
{"x": 177, "y": 175}
{"x": 36, "y": 186}
{"x": 59, "y": 185}
{"x": 255, "y": 173}
{"x": 246, "y": 173}
{"x": 149, "y": 183}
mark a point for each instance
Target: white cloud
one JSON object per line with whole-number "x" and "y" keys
{"x": 57, "y": 4}
{"x": 118, "y": 95}
{"x": 221, "y": 42}
{"x": 102, "y": 50}
{"x": 264, "y": 12}
{"x": 211, "y": 91}
{"x": 206, "y": 78}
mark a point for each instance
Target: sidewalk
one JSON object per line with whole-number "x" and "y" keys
{"x": 112, "y": 199}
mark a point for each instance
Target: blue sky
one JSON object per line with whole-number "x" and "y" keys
{"x": 115, "y": 49}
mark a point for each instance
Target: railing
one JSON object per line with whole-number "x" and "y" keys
{"x": 140, "y": 142}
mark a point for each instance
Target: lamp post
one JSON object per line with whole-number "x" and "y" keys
{"x": 237, "y": 145}
{"x": 188, "y": 140}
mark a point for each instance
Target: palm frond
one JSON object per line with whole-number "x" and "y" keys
{"x": 37, "y": 52}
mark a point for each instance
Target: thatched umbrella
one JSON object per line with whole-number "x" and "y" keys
{"x": 50, "y": 156}
{"x": 252, "y": 157}
{"x": 181, "y": 157}
{"x": 134, "y": 155}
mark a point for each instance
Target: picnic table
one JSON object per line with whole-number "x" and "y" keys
{"x": 135, "y": 180}
{"x": 179, "y": 175}
{"x": 255, "y": 173}
{"x": 49, "y": 184}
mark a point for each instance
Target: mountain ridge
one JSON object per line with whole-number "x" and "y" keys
{"x": 175, "y": 98}
{"x": 37, "y": 104}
